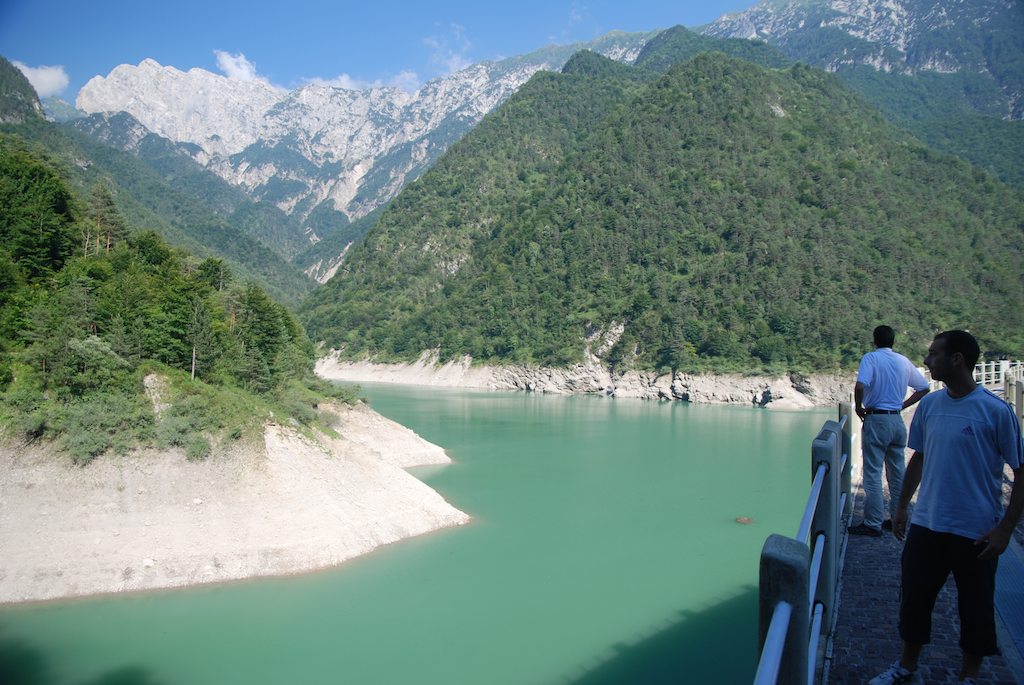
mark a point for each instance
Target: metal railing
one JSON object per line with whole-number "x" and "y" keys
{"x": 799, "y": 576}
{"x": 1013, "y": 390}
{"x": 993, "y": 375}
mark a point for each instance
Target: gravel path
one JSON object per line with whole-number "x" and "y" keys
{"x": 866, "y": 639}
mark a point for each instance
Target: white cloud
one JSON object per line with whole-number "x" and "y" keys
{"x": 408, "y": 81}
{"x": 236, "y": 66}
{"x": 450, "y": 53}
{"x": 341, "y": 81}
{"x": 46, "y": 80}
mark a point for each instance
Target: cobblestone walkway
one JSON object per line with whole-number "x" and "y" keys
{"x": 866, "y": 639}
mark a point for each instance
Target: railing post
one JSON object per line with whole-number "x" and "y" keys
{"x": 826, "y": 449}
{"x": 1018, "y": 400}
{"x": 1015, "y": 396}
{"x": 784, "y": 577}
{"x": 846, "y": 477}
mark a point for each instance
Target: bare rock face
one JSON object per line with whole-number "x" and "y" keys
{"x": 219, "y": 114}
{"x": 351, "y": 149}
{"x": 758, "y": 391}
{"x": 780, "y": 392}
{"x": 153, "y": 519}
{"x": 895, "y": 36}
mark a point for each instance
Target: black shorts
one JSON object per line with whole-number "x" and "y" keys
{"x": 928, "y": 559}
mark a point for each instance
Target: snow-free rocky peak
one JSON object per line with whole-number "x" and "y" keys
{"x": 902, "y": 36}
{"x": 222, "y": 115}
{"x": 351, "y": 149}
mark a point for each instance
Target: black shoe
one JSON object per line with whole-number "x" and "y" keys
{"x": 862, "y": 529}
{"x": 887, "y": 524}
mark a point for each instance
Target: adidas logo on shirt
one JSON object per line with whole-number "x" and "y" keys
{"x": 968, "y": 430}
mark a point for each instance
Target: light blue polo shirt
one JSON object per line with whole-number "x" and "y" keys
{"x": 965, "y": 442}
{"x": 886, "y": 375}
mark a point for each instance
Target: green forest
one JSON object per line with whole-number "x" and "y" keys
{"x": 159, "y": 187}
{"x": 729, "y": 216}
{"x": 91, "y": 305}
{"x": 190, "y": 208}
{"x": 973, "y": 112}
{"x": 726, "y": 212}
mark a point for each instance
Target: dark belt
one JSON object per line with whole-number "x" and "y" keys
{"x": 883, "y": 411}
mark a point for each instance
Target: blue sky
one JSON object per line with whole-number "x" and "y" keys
{"x": 61, "y": 44}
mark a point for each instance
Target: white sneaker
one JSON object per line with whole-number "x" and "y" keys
{"x": 896, "y": 675}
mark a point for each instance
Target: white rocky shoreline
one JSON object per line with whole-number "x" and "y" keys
{"x": 152, "y": 519}
{"x": 294, "y": 502}
{"x": 790, "y": 391}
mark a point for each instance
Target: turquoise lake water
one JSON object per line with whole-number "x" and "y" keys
{"x": 603, "y": 550}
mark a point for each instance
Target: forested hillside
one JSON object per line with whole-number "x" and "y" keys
{"x": 678, "y": 44}
{"x": 956, "y": 113}
{"x": 146, "y": 198}
{"x": 722, "y": 216}
{"x": 90, "y": 305}
{"x": 20, "y": 102}
{"x": 952, "y": 73}
{"x": 261, "y": 221}
{"x": 160, "y": 189}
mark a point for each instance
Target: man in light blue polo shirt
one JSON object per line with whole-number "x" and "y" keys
{"x": 880, "y": 395}
{"x": 963, "y": 438}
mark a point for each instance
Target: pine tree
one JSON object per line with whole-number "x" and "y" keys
{"x": 104, "y": 227}
{"x": 200, "y": 335}
{"x": 36, "y": 217}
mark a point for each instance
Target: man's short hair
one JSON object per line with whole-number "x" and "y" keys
{"x": 884, "y": 336}
{"x": 962, "y": 342}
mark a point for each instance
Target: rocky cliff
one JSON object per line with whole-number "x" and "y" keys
{"x": 321, "y": 146}
{"x": 294, "y": 503}
{"x": 970, "y": 37}
{"x": 792, "y": 391}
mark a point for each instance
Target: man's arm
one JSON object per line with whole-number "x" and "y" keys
{"x": 998, "y": 538}
{"x": 911, "y": 479}
{"x": 917, "y": 382}
{"x": 915, "y": 398}
{"x": 858, "y": 399}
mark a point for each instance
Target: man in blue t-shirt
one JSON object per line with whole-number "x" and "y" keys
{"x": 962, "y": 437}
{"x": 880, "y": 395}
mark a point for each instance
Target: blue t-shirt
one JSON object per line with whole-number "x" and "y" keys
{"x": 886, "y": 375}
{"x": 965, "y": 442}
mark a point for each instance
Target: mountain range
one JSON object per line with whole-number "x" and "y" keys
{"x": 980, "y": 38}
{"x": 277, "y": 181}
{"x": 155, "y": 187}
{"x": 320, "y": 146}
{"x": 721, "y": 215}
{"x": 950, "y": 72}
